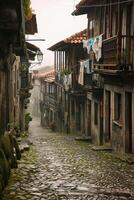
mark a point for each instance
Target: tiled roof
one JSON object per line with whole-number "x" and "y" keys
{"x": 77, "y": 38}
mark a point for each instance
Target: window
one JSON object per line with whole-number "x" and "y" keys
{"x": 117, "y": 107}
{"x": 96, "y": 113}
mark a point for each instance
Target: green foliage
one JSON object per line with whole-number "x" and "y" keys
{"x": 4, "y": 168}
{"x": 28, "y": 118}
{"x": 27, "y": 9}
{"x": 25, "y": 66}
{"x": 10, "y": 126}
{"x": 65, "y": 72}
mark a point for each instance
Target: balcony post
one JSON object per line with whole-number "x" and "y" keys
{"x": 119, "y": 36}
{"x": 118, "y": 50}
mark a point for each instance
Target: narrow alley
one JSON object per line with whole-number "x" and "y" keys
{"x": 58, "y": 167}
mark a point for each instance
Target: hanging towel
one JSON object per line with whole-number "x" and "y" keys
{"x": 67, "y": 81}
{"x": 81, "y": 74}
{"x": 97, "y": 47}
{"x": 90, "y": 43}
{"x": 70, "y": 79}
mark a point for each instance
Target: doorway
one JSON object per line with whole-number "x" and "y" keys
{"x": 128, "y": 122}
{"x": 108, "y": 117}
{"x": 89, "y": 118}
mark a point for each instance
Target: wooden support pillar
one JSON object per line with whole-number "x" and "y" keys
{"x": 60, "y": 60}
{"x": 64, "y": 65}
{"x": 55, "y": 61}
{"x": 119, "y": 35}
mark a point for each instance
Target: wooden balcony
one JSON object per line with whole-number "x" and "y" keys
{"x": 93, "y": 82}
{"x": 109, "y": 51}
{"x": 117, "y": 54}
{"x": 50, "y": 100}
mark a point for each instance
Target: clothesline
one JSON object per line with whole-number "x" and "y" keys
{"x": 94, "y": 44}
{"x": 103, "y": 5}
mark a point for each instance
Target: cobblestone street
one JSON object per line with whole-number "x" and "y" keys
{"x": 58, "y": 167}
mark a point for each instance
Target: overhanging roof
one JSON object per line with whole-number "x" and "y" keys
{"x": 32, "y": 47}
{"x": 32, "y": 50}
{"x": 75, "y": 39}
{"x": 57, "y": 46}
{"x": 82, "y": 7}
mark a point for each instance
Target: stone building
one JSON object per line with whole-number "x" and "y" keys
{"x": 48, "y": 98}
{"x": 14, "y": 90}
{"x": 99, "y": 102}
{"x": 14, "y": 56}
{"x": 113, "y": 26}
{"x": 43, "y": 95}
{"x": 70, "y": 94}
{"x": 35, "y": 95}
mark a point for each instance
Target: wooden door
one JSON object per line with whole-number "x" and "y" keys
{"x": 128, "y": 122}
{"x": 89, "y": 118}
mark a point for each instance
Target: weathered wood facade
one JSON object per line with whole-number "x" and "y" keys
{"x": 13, "y": 51}
{"x": 115, "y": 21}
{"x": 102, "y": 106}
{"x": 48, "y": 99}
{"x": 14, "y": 56}
{"x": 71, "y": 96}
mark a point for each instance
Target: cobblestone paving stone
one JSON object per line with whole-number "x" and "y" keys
{"x": 59, "y": 168}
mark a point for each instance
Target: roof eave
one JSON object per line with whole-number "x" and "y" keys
{"x": 57, "y": 46}
{"x": 79, "y": 12}
{"x": 82, "y": 7}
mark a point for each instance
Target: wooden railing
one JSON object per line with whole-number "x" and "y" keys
{"x": 118, "y": 51}
{"x": 50, "y": 100}
{"x": 109, "y": 51}
{"x": 127, "y": 51}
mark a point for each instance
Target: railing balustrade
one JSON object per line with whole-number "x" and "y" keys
{"x": 118, "y": 51}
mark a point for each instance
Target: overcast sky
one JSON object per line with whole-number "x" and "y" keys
{"x": 55, "y": 23}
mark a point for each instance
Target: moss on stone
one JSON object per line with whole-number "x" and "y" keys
{"x": 1, "y": 189}
{"x": 6, "y": 146}
{"x": 17, "y": 150}
{"x": 11, "y": 149}
{"x": 4, "y": 167}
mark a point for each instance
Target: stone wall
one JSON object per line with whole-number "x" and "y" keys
{"x": 122, "y": 128}
{"x": 9, "y": 154}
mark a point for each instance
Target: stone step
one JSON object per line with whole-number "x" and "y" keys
{"x": 102, "y": 148}
{"x": 84, "y": 138}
